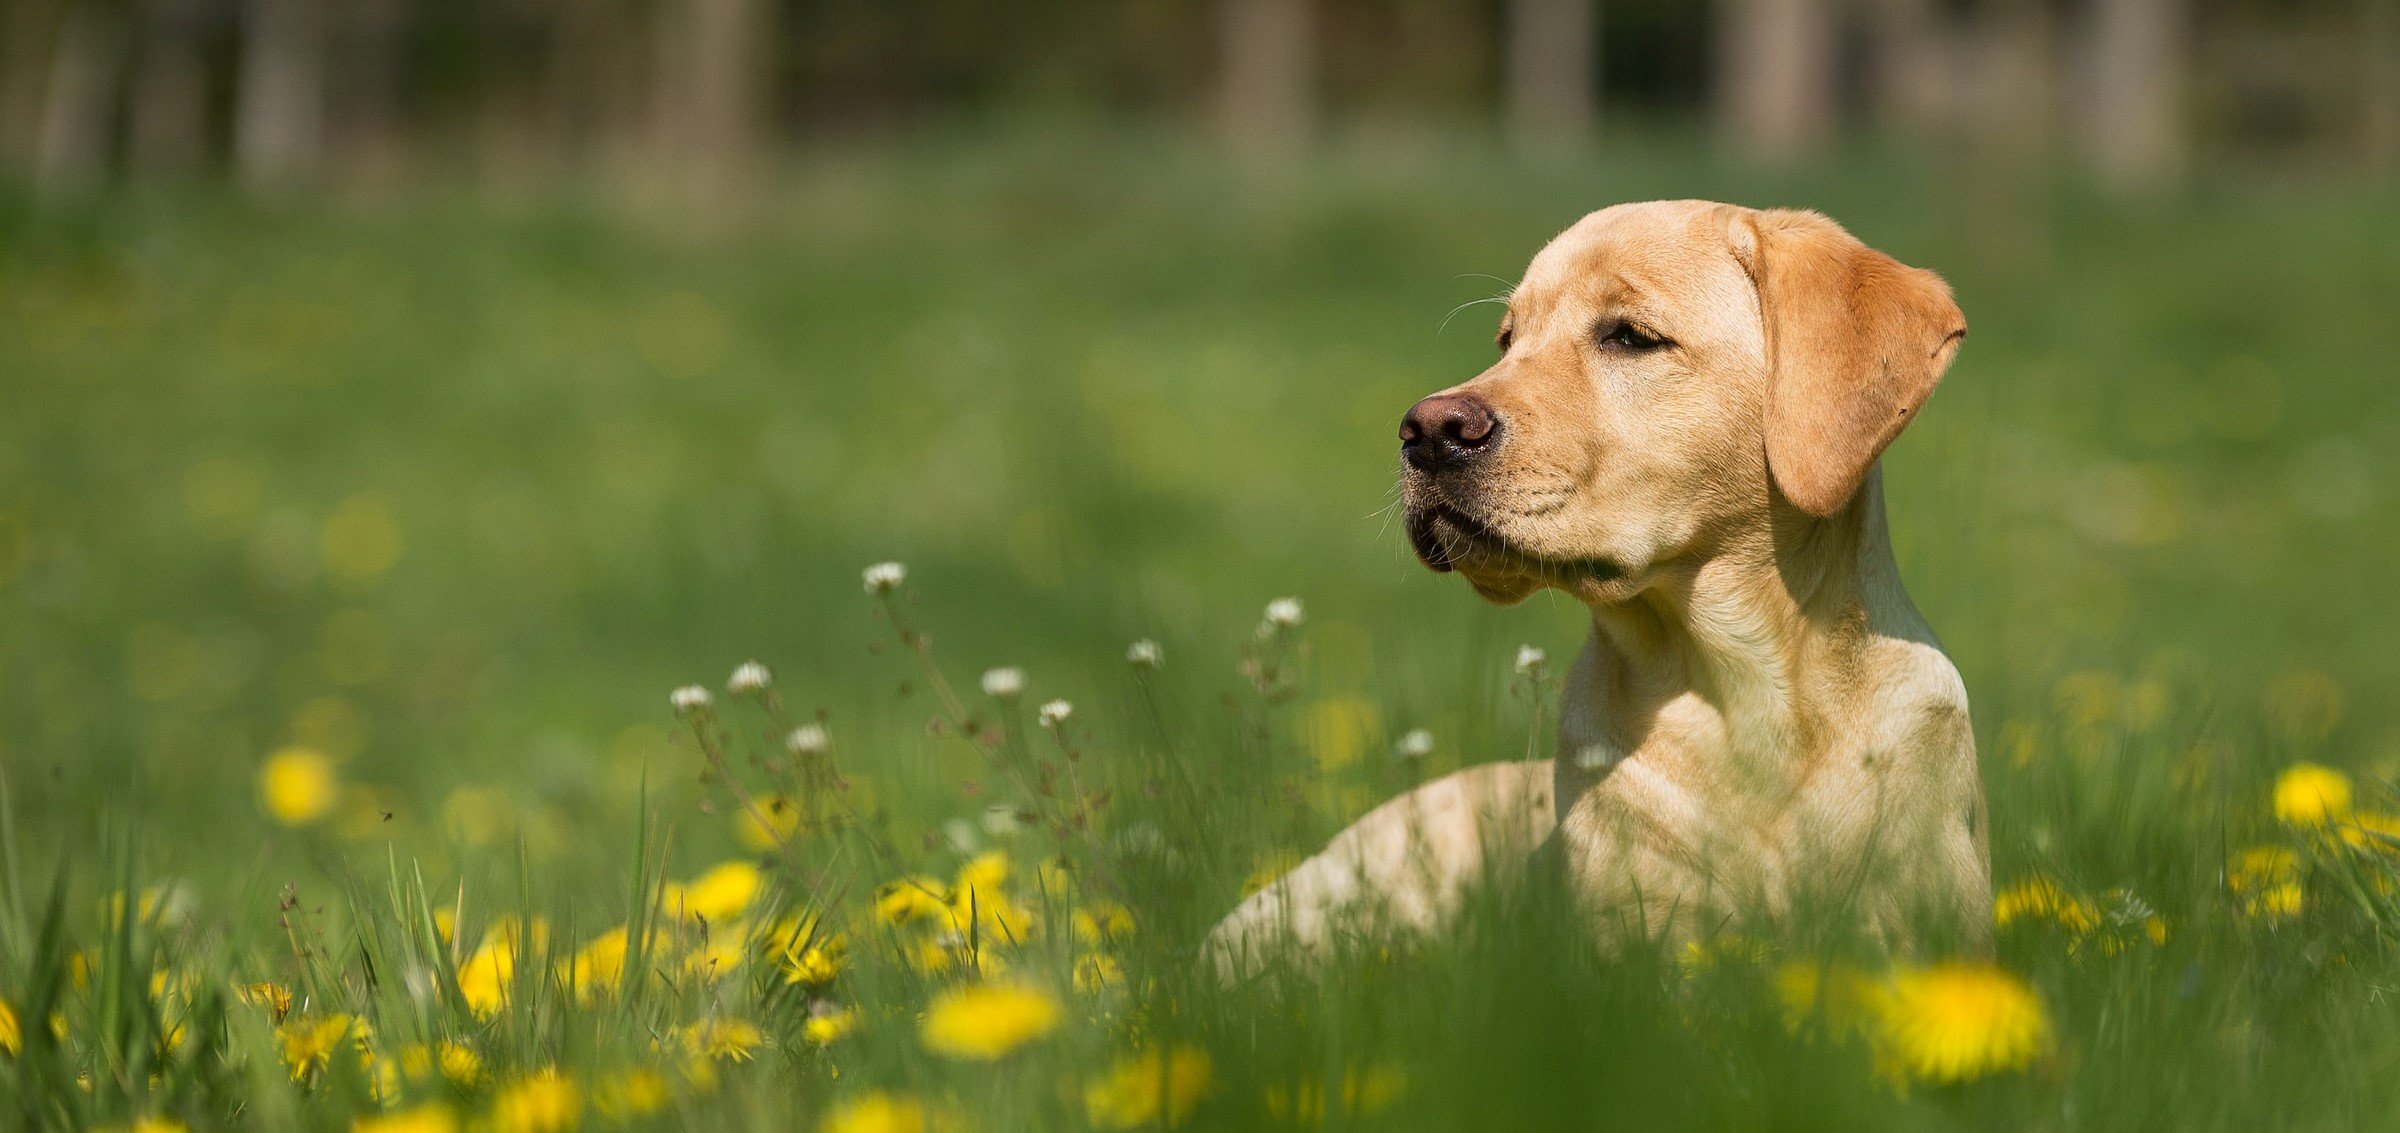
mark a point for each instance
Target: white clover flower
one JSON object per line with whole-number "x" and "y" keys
{"x": 1000, "y": 820}
{"x": 690, "y": 698}
{"x": 1145, "y": 654}
{"x": 750, "y": 676}
{"x": 962, "y": 835}
{"x": 1007, "y": 683}
{"x": 1416, "y": 743}
{"x": 1530, "y": 658}
{"x": 808, "y": 739}
{"x": 1056, "y": 712}
{"x": 1284, "y": 612}
{"x": 883, "y": 578}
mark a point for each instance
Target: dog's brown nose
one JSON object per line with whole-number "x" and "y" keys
{"x": 1447, "y": 430}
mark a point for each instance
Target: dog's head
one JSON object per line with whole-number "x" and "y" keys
{"x": 1670, "y": 373}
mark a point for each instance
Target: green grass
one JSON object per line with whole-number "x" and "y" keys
{"x": 453, "y": 491}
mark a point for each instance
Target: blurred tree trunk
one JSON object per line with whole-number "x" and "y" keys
{"x": 79, "y": 105}
{"x": 364, "y": 96}
{"x": 581, "y": 67}
{"x": 2134, "y": 131}
{"x": 708, "y": 93}
{"x": 169, "y": 131}
{"x": 2379, "y": 40}
{"x": 2006, "y": 115}
{"x": 1553, "y": 74}
{"x": 28, "y": 36}
{"x": 279, "y": 98}
{"x": 1916, "y": 71}
{"x": 1775, "y": 85}
{"x": 1267, "y": 78}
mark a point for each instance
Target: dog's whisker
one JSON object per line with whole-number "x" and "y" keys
{"x": 1445, "y": 323}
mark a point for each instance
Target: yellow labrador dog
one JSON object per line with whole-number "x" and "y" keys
{"x": 1681, "y": 432}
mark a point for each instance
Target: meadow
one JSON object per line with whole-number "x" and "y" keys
{"x": 350, "y": 552}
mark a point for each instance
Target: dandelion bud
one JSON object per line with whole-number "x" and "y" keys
{"x": 690, "y": 698}
{"x": 883, "y": 578}
{"x": 1056, "y": 713}
{"x": 1530, "y": 659}
{"x": 1417, "y": 743}
{"x": 808, "y": 739}
{"x": 1145, "y": 654}
{"x": 749, "y": 677}
{"x": 1004, "y": 683}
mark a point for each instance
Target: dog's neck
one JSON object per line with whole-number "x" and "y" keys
{"x": 1751, "y": 656}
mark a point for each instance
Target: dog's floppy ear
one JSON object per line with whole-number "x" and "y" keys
{"x": 1855, "y": 342}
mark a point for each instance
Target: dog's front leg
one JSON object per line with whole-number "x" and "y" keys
{"x": 1409, "y": 862}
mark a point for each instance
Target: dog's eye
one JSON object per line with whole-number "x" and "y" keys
{"x": 1626, "y": 336}
{"x": 1504, "y": 339}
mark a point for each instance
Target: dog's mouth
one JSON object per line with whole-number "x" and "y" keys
{"x": 1447, "y": 539}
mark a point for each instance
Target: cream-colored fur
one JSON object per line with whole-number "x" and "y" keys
{"x": 1760, "y": 717}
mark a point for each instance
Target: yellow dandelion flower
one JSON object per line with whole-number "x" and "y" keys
{"x": 12, "y": 1034}
{"x": 637, "y": 1092}
{"x": 1952, "y": 1022}
{"x": 877, "y": 1112}
{"x": 1099, "y": 924}
{"x": 489, "y": 973}
{"x": 484, "y": 979}
{"x": 769, "y": 825}
{"x": 308, "y": 1043}
{"x": 718, "y": 953}
{"x": 2372, "y": 830}
{"x": 1365, "y": 1092}
{"x": 1096, "y": 972}
{"x": 910, "y": 900}
{"x": 2277, "y": 902}
{"x": 994, "y": 916}
{"x": 816, "y": 964}
{"x": 1146, "y": 1088}
{"x": 298, "y": 786}
{"x": 724, "y": 1039}
{"x": 986, "y": 1022}
{"x": 456, "y": 1061}
{"x": 599, "y": 966}
{"x": 2267, "y": 879}
{"x": 276, "y": 998}
{"x": 144, "y": 1124}
{"x": 1834, "y": 996}
{"x": 2310, "y": 795}
{"x": 986, "y": 872}
{"x": 2039, "y": 897}
{"x": 721, "y": 894}
{"x": 542, "y": 1102}
{"x": 433, "y": 1118}
{"x": 829, "y": 1026}
{"x": 930, "y": 957}
{"x": 1055, "y": 878}
{"x": 166, "y": 983}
